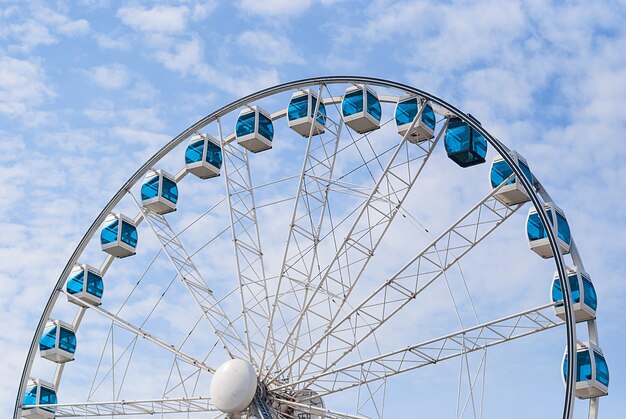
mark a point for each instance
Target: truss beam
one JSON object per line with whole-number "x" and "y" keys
{"x": 433, "y": 351}
{"x": 131, "y": 407}
{"x": 141, "y": 333}
{"x": 247, "y": 244}
{"x": 318, "y": 411}
{"x": 301, "y": 251}
{"x": 360, "y": 243}
{"x": 194, "y": 282}
{"x": 412, "y": 279}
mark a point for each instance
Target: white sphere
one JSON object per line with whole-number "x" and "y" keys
{"x": 233, "y": 386}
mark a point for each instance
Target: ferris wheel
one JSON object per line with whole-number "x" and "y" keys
{"x": 306, "y": 263}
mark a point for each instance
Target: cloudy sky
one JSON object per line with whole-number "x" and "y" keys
{"x": 90, "y": 90}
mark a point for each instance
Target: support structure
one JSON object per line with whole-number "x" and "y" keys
{"x": 134, "y": 407}
{"x": 338, "y": 279}
{"x": 255, "y": 303}
{"x": 359, "y": 245}
{"x": 409, "y": 281}
{"x": 432, "y": 351}
{"x": 301, "y": 251}
{"x": 145, "y": 335}
{"x": 221, "y": 325}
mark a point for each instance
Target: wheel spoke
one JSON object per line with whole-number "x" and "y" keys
{"x": 366, "y": 232}
{"x": 221, "y": 325}
{"x": 307, "y": 218}
{"x": 247, "y": 244}
{"x": 312, "y": 410}
{"x": 303, "y": 333}
{"x": 413, "y": 278}
{"x": 131, "y": 407}
{"x": 431, "y": 352}
{"x": 143, "y": 334}
{"x": 359, "y": 245}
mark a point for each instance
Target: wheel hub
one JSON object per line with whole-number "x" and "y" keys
{"x": 233, "y": 386}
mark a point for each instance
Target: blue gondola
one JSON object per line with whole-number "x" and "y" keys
{"x": 592, "y": 371}
{"x": 39, "y": 393}
{"x": 203, "y": 156}
{"x": 537, "y": 235}
{"x": 300, "y": 114}
{"x": 406, "y": 111}
{"x": 116, "y": 241}
{"x": 464, "y": 145}
{"x": 58, "y": 342}
{"x": 513, "y": 192}
{"x": 361, "y": 109}
{"x": 584, "y": 297}
{"x": 89, "y": 290}
{"x": 254, "y": 129}
{"x": 159, "y": 192}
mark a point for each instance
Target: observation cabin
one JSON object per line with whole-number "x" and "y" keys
{"x": 513, "y": 192}
{"x": 464, "y": 145}
{"x": 584, "y": 297}
{"x": 39, "y": 392}
{"x": 537, "y": 235}
{"x": 203, "y": 156}
{"x": 58, "y": 342}
{"x": 592, "y": 372}
{"x": 301, "y": 114}
{"x": 406, "y": 111}
{"x": 361, "y": 109}
{"x": 254, "y": 129}
{"x": 119, "y": 236}
{"x": 159, "y": 192}
{"x": 85, "y": 283}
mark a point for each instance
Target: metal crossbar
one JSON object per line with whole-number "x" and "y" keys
{"x": 128, "y": 408}
{"x": 301, "y": 250}
{"x": 364, "y": 236}
{"x": 412, "y": 279}
{"x": 432, "y": 351}
{"x": 141, "y": 333}
{"x": 312, "y": 411}
{"x": 248, "y": 252}
{"x": 195, "y": 283}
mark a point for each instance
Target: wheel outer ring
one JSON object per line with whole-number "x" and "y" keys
{"x": 568, "y": 408}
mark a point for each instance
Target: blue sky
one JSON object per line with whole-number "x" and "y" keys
{"x": 89, "y": 90}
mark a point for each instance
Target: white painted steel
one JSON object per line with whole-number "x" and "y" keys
{"x": 537, "y": 198}
{"x": 233, "y": 386}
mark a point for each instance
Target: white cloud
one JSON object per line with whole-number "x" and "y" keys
{"x": 142, "y": 117}
{"x": 110, "y": 77}
{"x": 557, "y": 54}
{"x": 268, "y": 48}
{"x": 42, "y": 26}
{"x": 160, "y": 19}
{"x": 101, "y": 111}
{"x": 74, "y": 27}
{"x": 274, "y": 7}
{"x": 22, "y": 86}
{"x": 201, "y": 10}
{"x": 181, "y": 56}
{"x": 144, "y": 91}
{"x": 31, "y": 34}
{"x": 8, "y": 12}
{"x": 59, "y": 22}
{"x": 247, "y": 81}
{"x": 186, "y": 58}
{"x": 107, "y": 42}
{"x": 134, "y": 136}
{"x": 502, "y": 89}
{"x": 10, "y": 147}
